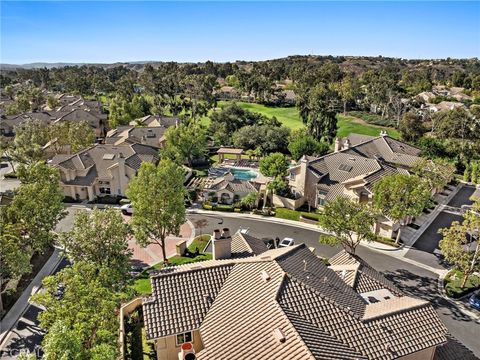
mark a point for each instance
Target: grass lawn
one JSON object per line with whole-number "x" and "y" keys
{"x": 284, "y": 213}
{"x": 289, "y": 117}
{"x": 453, "y": 281}
{"x": 142, "y": 285}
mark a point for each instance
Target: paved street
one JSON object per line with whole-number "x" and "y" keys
{"x": 411, "y": 279}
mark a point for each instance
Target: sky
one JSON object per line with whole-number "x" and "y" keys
{"x": 121, "y": 31}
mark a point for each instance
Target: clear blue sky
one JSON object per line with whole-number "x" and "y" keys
{"x": 67, "y": 31}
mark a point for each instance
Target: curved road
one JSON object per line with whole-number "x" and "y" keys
{"x": 411, "y": 279}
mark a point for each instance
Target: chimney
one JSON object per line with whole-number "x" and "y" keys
{"x": 337, "y": 145}
{"x": 187, "y": 352}
{"x": 222, "y": 244}
{"x": 383, "y": 133}
{"x": 346, "y": 144}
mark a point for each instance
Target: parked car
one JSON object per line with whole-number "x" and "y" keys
{"x": 127, "y": 209}
{"x": 286, "y": 242}
{"x": 474, "y": 300}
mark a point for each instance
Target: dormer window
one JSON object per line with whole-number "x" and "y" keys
{"x": 292, "y": 176}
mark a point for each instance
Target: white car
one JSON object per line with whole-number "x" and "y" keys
{"x": 286, "y": 242}
{"x": 127, "y": 209}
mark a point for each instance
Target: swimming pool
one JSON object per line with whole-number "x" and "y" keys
{"x": 242, "y": 174}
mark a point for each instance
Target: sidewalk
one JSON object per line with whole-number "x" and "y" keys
{"x": 21, "y": 304}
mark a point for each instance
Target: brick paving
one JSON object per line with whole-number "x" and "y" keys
{"x": 152, "y": 254}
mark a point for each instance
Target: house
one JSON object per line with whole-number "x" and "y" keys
{"x": 445, "y": 105}
{"x": 152, "y": 136}
{"x": 227, "y": 189}
{"x": 101, "y": 169}
{"x": 96, "y": 120}
{"x": 357, "y": 163}
{"x": 156, "y": 120}
{"x": 284, "y": 303}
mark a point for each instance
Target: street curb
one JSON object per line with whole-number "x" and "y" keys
{"x": 461, "y": 306}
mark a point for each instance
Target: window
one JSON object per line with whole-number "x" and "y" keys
{"x": 183, "y": 338}
{"x": 105, "y": 190}
{"x": 321, "y": 197}
{"x": 292, "y": 176}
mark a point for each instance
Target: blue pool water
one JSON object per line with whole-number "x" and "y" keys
{"x": 241, "y": 174}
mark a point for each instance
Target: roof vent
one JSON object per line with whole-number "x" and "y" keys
{"x": 279, "y": 335}
{"x": 208, "y": 299}
{"x": 344, "y": 274}
{"x": 108, "y": 156}
{"x": 265, "y": 276}
{"x": 304, "y": 265}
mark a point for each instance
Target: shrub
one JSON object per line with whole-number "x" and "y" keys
{"x": 453, "y": 281}
{"x": 207, "y": 207}
{"x": 310, "y": 216}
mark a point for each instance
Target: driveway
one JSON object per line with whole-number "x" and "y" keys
{"x": 425, "y": 249}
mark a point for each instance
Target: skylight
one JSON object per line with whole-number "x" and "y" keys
{"x": 345, "y": 167}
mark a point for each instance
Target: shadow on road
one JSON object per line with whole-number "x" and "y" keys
{"x": 425, "y": 288}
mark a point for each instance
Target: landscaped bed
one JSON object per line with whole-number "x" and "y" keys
{"x": 142, "y": 286}
{"x": 453, "y": 282}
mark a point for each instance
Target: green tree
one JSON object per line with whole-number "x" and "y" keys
{"x": 249, "y": 201}
{"x": 14, "y": 255}
{"x": 37, "y": 205}
{"x": 302, "y": 143}
{"x": 78, "y": 135}
{"x": 52, "y": 102}
{"x": 457, "y": 245}
{"x": 100, "y": 237}
{"x": 186, "y": 143}
{"x": 84, "y": 316}
{"x": 400, "y": 196}
{"x": 157, "y": 194}
{"x": 348, "y": 89}
{"x": 274, "y": 165}
{"x": 349, "y": 223}
{"x": 467, "y": 174}
{"x": 30, "y": 137}
{"x": 411, "y": 127}
{"x": 436, "y": 173}
{"x": 317, "y": 108}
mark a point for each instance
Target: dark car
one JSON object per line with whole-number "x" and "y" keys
{"x": 474, "y": 301}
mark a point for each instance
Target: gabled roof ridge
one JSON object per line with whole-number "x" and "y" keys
{"x": 325, "y": 297}
{"x": 78, "y": 154}
{"x": 394, "y": 306}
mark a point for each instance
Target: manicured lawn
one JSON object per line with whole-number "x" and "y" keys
{"x": 142, "y": 282}
{"x": 288, "y": 214}
{"x": 289, "y": 117}
{"x": 347, "y": 126}
{"x": 453, "y": 281}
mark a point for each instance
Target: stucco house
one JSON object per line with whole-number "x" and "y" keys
{"x": 156, "y": 120}
{"x": 251, "y": 302}
{"x": 227, "y": 189}
{"x": 152, "y": 136}
{"x": 357, "y": 163}
{"x": 101, "y": 169}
